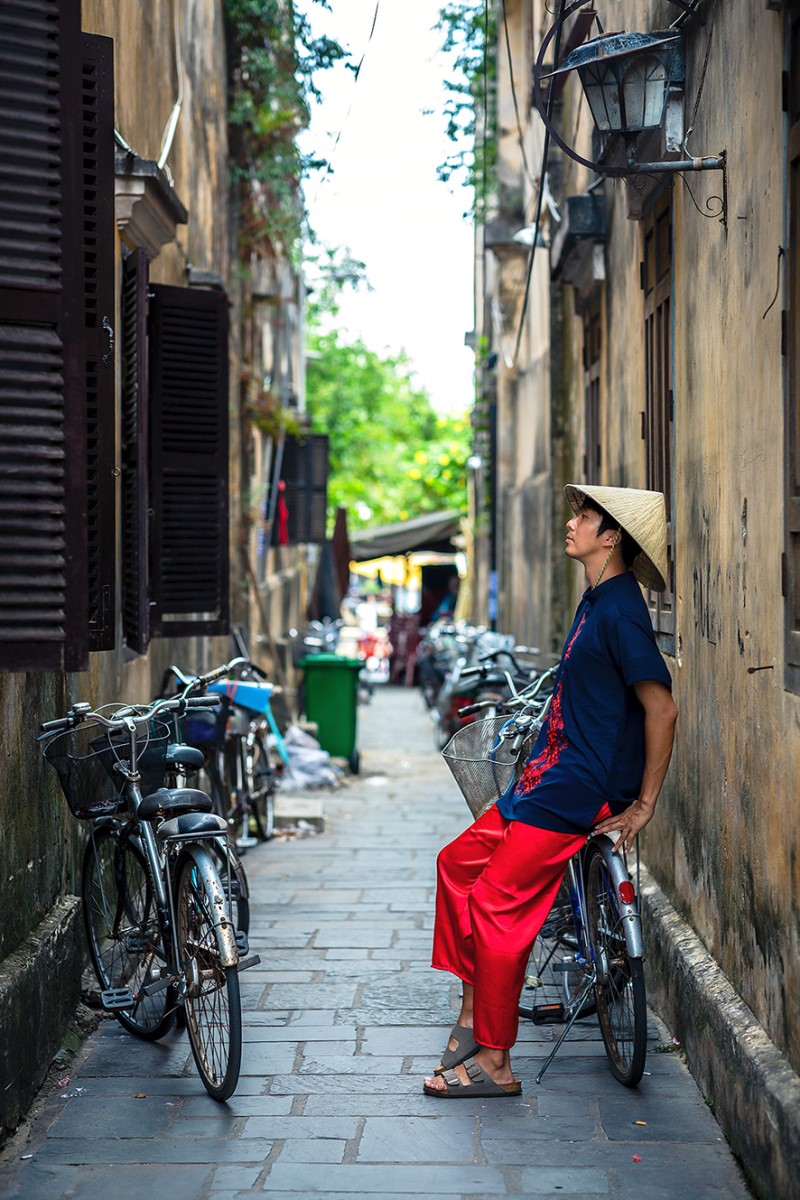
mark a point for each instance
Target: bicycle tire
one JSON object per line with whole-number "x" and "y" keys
{"x": 620, "y": 988}
{"x": 555, "y": 943}
{"x": 259, "y": 774}
{"x": 216, "y": 788}
{"x": 123, "y": 933}
{"x": 213, "y": 1003}
{"x": 239, "y": 902}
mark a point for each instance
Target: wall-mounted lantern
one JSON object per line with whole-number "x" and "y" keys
{"x": 628, "y": 79}
{"x": 625, "y": 77}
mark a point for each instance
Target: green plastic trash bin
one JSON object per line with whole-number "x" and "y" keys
{"x": 331, "y": 686}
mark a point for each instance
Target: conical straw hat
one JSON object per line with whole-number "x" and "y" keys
{"x": 641, "y": 514}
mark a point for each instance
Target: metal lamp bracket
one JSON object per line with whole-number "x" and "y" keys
{"x": 717, "y": 206}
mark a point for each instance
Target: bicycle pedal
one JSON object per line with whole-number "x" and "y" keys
{"x": 150, "y": 989}
{"x": 253, "y": 961}
{"x": 548, "y": 1014}
{"x": 117, "y": 998}
{"x": 567, "y": 967}
{"x": 245, "y": 843}
{"x": 242, "y": 944}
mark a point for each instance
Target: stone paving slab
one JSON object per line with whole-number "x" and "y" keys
{"x": 341, "y": 1020}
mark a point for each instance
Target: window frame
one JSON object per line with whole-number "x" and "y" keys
{"x": 658, "y": 392}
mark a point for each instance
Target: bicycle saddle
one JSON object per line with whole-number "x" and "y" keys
{"x": 189, "y": 825}
{"x": 179, "y": 755}
{"x": 171, "y": 802}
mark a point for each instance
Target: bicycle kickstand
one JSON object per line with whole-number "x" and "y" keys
{"x": 577, "y": 1002}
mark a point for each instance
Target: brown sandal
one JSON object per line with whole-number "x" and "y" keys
{"x": 466, "y": 1047}
{"x": 480, "y": 1086}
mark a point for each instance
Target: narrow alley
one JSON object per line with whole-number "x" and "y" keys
{"x": 343, "y": 1018}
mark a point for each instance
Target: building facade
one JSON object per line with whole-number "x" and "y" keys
{"x": 651, "y": 340}
{"x": 136, "y": 336}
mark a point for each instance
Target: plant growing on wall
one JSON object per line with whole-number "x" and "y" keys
{"x": 273, "y": 58}
{"x": 470, "y": 38}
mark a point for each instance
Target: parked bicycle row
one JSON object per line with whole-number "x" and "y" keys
{"x": 164, "y": 894}
{"x": 462, "y": 665}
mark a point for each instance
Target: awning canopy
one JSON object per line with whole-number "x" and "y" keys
{"x": 434, "y": 531}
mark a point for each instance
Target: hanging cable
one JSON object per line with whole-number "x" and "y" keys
{"x": 520, "y": 136}
{"x": 537, "y": 222}
{"x": 329, "y": 166}
{"x": 172, "y": 123}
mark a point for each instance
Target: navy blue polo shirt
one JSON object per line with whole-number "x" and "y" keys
{"x": 590, "y": 749}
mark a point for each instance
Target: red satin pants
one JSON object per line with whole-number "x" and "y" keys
{"x": 495, "y": 886}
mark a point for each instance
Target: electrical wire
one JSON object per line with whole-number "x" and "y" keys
{"x": 520, "y": 137}
{"x": 702, "y": 82}
{"x": 537, "y": 222}
{"x": 329, "y": 167}
{"x": 172, "y": 123}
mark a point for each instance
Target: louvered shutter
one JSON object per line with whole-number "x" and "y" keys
{"x": 305, "y": 473}
{"x": 98, "y": 276}
{"x": 135, "y": 535}
{"x": 43, "y": 554}
{"x": 188, "y": 332}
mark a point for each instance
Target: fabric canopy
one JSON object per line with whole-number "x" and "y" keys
{"x": 434, "y": 531}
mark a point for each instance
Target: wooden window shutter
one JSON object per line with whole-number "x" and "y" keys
{"x": 135, "y": 497}
{"x": 189, "y": 556}
{"x": 43, "y": 549}
{"x": 98, "y": 275}
{"x": 305, "y": 473}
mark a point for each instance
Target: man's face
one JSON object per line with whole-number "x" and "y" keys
{"x": 582, "y": 530}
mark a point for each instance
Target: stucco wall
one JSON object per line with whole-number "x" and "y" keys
{"x": 724, "y": 844}
{"x": 41, "y": 844}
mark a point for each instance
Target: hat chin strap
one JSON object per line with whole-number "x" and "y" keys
{"x": 614, "y": 545}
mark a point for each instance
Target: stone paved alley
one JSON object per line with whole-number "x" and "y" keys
{"x": 343, "y": 1019}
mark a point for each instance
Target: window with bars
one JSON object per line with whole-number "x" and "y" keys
{"x": 592, "y": 349}
{"x": 657, "y": 418}
{"x": 791, "y": 559}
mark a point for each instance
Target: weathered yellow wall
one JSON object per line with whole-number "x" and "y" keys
{"x": 725, "y": 841}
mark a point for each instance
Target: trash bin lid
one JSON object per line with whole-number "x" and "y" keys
{"x": 330, "y": 660}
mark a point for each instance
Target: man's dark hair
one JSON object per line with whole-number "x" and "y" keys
{"x": 629, "y": 547}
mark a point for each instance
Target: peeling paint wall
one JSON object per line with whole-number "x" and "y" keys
{"x": 41, "y": 847}
{"x": 724, "y": 845}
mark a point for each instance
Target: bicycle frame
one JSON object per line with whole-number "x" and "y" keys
{"x": 586, "y": 960}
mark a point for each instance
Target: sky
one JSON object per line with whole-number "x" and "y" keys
{"x": 383, "y": 201}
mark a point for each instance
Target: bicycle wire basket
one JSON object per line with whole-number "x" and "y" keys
{"x": 84, "y": 759}
{"x": 483, "y": 764}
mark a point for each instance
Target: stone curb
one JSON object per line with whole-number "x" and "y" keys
{"x": 748, "y": 1083}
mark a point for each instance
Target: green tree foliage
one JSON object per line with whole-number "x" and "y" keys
{"x": 470, "y": 39}
{"x": 273, "y": 60}
{"x": 392, "y": 457}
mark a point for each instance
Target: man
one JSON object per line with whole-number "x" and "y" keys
{"x": 598, "y": 764}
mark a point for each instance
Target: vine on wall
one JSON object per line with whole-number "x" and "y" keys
{"x": 470, "y": 37}
{"x": 273, "y": 58}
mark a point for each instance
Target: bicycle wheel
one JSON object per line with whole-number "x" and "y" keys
{"x": 619, "y": 988}
{"x": 259, "y": 780}
{"x": 213, "y": 1005}
{"x": 547, "y": 995}
{"x": 126, "y": 943}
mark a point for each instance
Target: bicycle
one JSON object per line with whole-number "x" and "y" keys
{"x": 157, "y": 915}
{"x": 182, "y": 761}
{"x": 242, "y": 773}
{"x": 593, "y": 935}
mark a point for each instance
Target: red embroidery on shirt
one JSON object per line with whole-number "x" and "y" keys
{"x": 556, "y": 741}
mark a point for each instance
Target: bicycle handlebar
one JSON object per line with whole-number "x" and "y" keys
{"x": 138, "y": 714}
